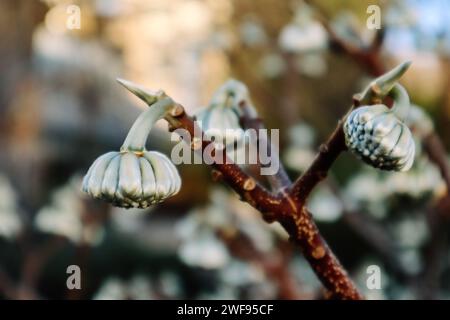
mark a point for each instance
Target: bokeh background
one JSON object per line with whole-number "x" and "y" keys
{"x": 60, "y": 108}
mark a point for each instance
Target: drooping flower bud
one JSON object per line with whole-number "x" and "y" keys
{"x": 131, "y": 179}
{"x": 379, "y": 138}
{"x": 135, "y": 177}
{"x": 221, "y": 117}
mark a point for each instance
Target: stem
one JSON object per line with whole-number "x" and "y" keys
{"x": 318, "y": 170}
{"x": 401, "y": 101}
{"x": 137, "y": 136}
{"x": 250, "y": 120}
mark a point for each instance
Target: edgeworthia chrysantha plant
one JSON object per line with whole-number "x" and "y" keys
{"x": 135, "y": 177}
{"x": 377, "y": 133}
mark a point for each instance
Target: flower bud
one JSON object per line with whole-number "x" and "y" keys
{"x": 221, "y": 117}
{"x": 132, "y": 179}
{"x": 379, "y": 138}
{"x": 135, "y": 177}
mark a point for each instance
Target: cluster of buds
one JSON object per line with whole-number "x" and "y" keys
{"x": 376, "y": 133}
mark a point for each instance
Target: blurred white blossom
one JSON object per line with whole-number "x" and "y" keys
{"x": 411, "y": 261}
{"x": 300, "y": 153}
{"x": 411, "y": 232}
{"x": 303, "y": 33}
{"x": 272, "y": 65}
{"x": 170, "y": 284}
{"x": 137, "y": 288}
{"x": 203, "y": 249}
{"x": 312, "y": 64}
{"x": 301, "y": 39}
{"x": 111, "y": 289}
{"x": 365, "y": 190}
{"x": 63, "y": 216}
{"x": 325, "y": 206}
{"x": 252, "y": 33}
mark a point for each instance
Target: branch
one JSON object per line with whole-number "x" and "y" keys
{"x": 293, "y": 217}
{"x": 250, "y": 120}
{"x": 235, "y": 177}
{"x": 365, "y": 57}
{"x": 318, "y": 170}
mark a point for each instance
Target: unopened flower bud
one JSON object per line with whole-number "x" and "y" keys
{"x": 131, "y": 179}
{"x": 135, "y": 177}
{"x": 221, "y": 117}
{"x": 379, "y": 138}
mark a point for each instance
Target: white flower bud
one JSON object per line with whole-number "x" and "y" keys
{"x": 132, "y": 179}
{"x": 379, "y": 138}
{"x": 221, "y": 117}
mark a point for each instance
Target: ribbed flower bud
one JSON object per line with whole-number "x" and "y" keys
{"x": 378, "y": 137}
{"x": 132, "y": 179}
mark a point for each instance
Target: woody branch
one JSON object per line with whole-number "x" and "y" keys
{"x": 293, "y": 216}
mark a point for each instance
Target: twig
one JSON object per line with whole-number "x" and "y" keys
{"x": 318, "y": 170}
{"x": 293, "y": 216}
{"x": 365, "y": 57}
{"x": 250, "y": 120}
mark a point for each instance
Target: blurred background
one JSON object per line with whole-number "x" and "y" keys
{"x": 60, "y": 108}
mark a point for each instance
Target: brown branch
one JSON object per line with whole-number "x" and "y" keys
{"x": 227, "y": 171}
{"x": 365, "y": 57}
{"x": 318, "y": 170}
{"x": 293, "y": 216}
{"x": 249, "y": 120}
